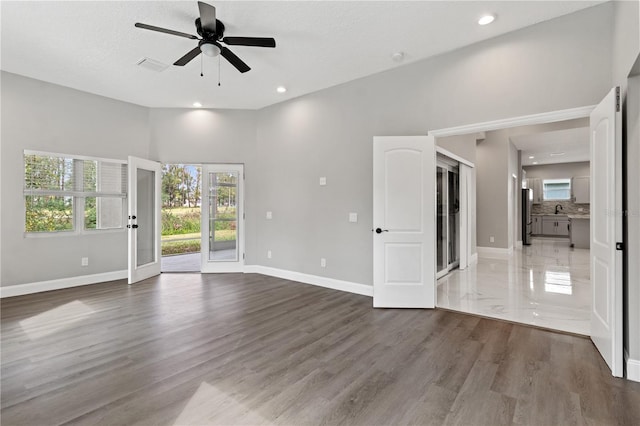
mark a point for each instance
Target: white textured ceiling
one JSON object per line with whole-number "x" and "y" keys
{"x": 94, "y": 46}
{"x": 573, "y": 143}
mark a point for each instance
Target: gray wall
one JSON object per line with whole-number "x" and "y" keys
{"x": 47, "y": 117}
{"x": 558, "y": 171}
{"x": 550, "y": 66}
{"x": 196, "y": 136}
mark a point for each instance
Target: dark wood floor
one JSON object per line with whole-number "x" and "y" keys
{"x": 250, "y": 349}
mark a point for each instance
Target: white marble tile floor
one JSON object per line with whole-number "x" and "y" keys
{"x": 546, "y": 284}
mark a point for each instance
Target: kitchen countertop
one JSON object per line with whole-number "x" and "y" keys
{"x": 579, "y": 216}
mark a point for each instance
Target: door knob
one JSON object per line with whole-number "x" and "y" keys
{"x": 380, "y": 231}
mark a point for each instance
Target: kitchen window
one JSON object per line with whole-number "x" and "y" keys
{"x": 73, "y": 194}
{"x": 556, "y": 189}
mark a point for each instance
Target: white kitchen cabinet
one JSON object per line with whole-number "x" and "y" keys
{"x": 536, "y": 225}
{"x": 536, "y": 185}
{"x": 556, "y": 226}
{"x": 580, "y": 189}
{"x": 580, "y": 232}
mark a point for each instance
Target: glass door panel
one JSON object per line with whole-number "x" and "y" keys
{"x": 454, "y": 216}
{"x": 222, "y": 218}
{"x": 145, "y": 237}
{"x": 441, "y": 225}
{"x": 144, "y": 218}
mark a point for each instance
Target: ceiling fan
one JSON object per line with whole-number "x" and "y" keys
{"x": 212, "y": 36}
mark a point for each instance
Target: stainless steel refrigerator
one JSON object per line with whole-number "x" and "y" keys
{"x": 527, "y": 224}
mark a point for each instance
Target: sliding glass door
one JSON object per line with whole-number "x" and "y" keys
{"x": 448, "y": 215}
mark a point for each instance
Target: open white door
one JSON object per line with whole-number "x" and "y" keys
{"x": 606, "y": 230}
{"x": 145, "y": 226}
{"x": 404, "y": 220}
{"x": 222, "y": 218}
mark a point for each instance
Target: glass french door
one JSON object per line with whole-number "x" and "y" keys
{"x": 144, "y": 224}
{"x": 222, "y": 218}
{"x": 448, "y": 216}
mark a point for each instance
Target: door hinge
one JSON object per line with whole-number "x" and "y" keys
{"x": 618, "y": 99}
{"x": 619, "y": 246}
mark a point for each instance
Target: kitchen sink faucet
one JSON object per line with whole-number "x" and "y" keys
{"x": 558, "y": 207}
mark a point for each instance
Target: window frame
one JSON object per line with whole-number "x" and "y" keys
{"x": 78, "y": 196}
{"x": 556, "y": 180}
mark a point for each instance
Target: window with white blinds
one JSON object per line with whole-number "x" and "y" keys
{"x": 73, "y": 193}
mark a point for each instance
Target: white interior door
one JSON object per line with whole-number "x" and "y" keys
{"x": 144, "y": 201}
{"x": 222, "y": 244}
{"x": 606, "y": 230}
{"x": 404, "y": 219}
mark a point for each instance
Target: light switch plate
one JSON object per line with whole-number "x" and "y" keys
{"x": 353, "y": 217}
{"x": 269, "y": 215}
{"x": 323, "y": 181}
{"x": 323, "y": 263}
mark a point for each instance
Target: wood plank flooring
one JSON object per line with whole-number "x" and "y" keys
{"x": 249, "y": 349}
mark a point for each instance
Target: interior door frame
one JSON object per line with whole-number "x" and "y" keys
{"x": 137, "y": 273}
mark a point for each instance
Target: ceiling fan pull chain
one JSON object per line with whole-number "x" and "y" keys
{"x": 218, "y": 70}
{"x": 201, "y": 66}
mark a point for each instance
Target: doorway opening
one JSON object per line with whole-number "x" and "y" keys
{"x": 181, "y": 217}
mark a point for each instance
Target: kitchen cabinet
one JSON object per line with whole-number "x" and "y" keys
{"x": 555, "y": 226}
{"x": 536, "y": 225}
{"x": 580, "y": 189}
{"x": 580, "y": 236}
{"x": 536, "y": 185}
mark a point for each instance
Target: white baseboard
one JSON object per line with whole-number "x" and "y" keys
{"x": 494, "y": 251}
{"x": 473, "y": 259}
{"x": 633, "y": 368}
{"x": 350, "y": 287}
{"x": 518, "y": 244}
{"x": 37, "y": 287}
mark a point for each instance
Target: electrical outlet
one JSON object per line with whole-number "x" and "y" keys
{"x": 268, "y": 254}
{"x": 269, "y": 215}
{"x": 323, "y": 262}
{"x": 353, "y": 217}
{"x": 323, "y": 181}
{"x": 492, "y": 239}
{"x": 84, "y": 261}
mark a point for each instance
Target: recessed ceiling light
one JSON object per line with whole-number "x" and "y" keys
{"x": 531, "y": 157}
{"x": 535, "y": 162}
{"x": 556, "y": 154}
{"x": 197, "y": 104}
{"x": 398, "y": 57}
{"x": 486, "y": 19}
{"x": 281, "y": 89}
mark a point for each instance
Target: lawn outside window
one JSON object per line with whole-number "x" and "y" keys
{"x": 71, "y": 194}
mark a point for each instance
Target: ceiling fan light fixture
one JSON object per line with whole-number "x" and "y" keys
{"x": 486, "y": 19}
{"x": 210, "y": 49}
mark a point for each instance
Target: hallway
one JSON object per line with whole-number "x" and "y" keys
{"x": 546, "y": 284}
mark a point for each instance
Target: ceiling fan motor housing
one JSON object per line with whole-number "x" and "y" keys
{"x": 208, "y": 35}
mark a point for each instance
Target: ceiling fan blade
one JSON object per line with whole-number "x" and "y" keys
{"x": 207, "y": 17}
{"x": 234, "y": 60}
{"x": 166, "y": 31}
{"x": 250, "y": 41}
{"x": 188, "y": 57}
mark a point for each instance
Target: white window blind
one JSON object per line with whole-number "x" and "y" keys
{"x": 556, "y": 189}
{"x": 67, "y": 193}
{"x": 52, "y": 174}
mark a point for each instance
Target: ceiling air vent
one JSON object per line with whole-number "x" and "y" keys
{"x": 152, "y": 64}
